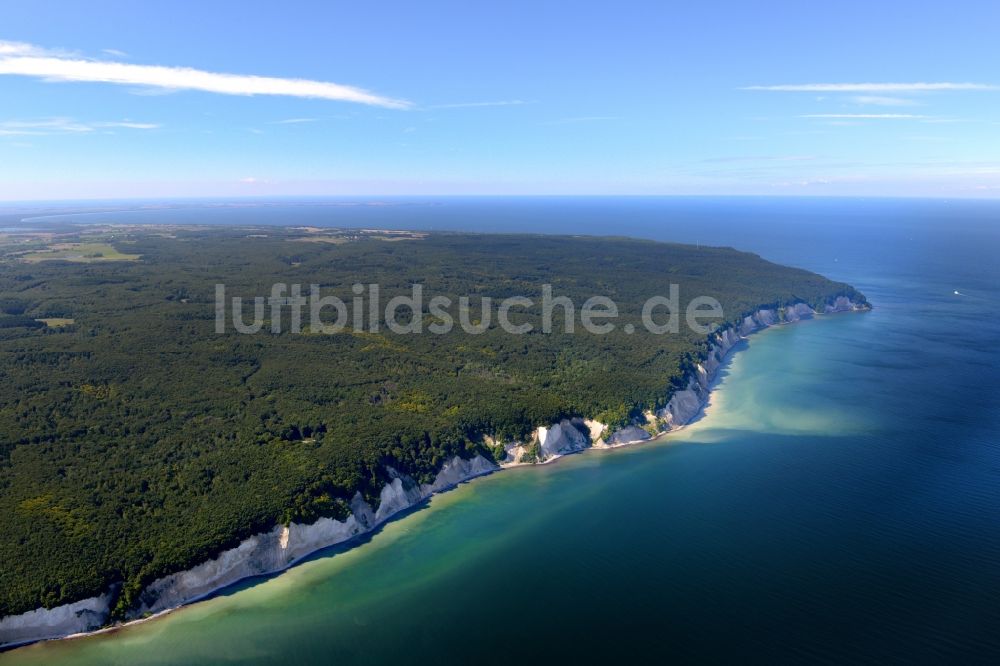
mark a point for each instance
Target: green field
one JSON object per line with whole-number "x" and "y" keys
{"x": 79, "y": 253}
{"x": 57, "y": 322}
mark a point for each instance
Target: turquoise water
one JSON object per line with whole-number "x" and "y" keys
{"x": 839, "y": 501}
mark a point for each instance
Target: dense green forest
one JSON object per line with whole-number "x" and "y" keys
{"x": 135, "y": 441}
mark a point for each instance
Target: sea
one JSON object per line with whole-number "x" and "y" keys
{"x": 838, "y": 501}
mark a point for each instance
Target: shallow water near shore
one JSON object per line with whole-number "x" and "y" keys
{"x": 838, "y": 500}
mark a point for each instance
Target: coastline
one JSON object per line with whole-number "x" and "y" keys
{"x": 284, "y": 546}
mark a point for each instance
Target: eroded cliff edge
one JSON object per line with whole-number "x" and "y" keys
{"x": 285, "y": 545}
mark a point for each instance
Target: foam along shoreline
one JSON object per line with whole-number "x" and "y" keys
{"x": 285, "y": 545}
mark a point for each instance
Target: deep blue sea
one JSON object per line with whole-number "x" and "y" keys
{"x": 839, "y": 502}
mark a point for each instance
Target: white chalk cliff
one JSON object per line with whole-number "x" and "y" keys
{"x": 567, "y": 436}
{"x": 78, "y": 617}
{"x": 684, "y": 405}
{"x": 258, "y": 555}
{"x": 281, "y": 547}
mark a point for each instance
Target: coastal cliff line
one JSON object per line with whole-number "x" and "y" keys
{"x": 285, "y": 545}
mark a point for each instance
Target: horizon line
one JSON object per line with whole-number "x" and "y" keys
{"x": 371, "y": 197}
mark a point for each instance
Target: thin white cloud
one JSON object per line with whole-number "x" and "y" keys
{"x": 881, "y": 100}
{"x": 760, "y": 158}
{"x": 581, "y": 119}
{"x": 947, "y": 121}
{"x": 130, "y": 125}
{"x": 47, "y": 126}
{"x": 153, "y": 92}
{"x": 471, "y": 105}
{"x": 294, "y": 121}
{"x": 874, "y": 87}
{"x": 865, "y": 116}
{"x": 22, "y": 59}
{"x": 115, "y": 53}
{"x": 9, "y": 49}
{"x": 14, "y": 48}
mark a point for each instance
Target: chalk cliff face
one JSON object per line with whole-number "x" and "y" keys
{"x": 595, "y": 428}
{"x": 74, "y": 618}
{"x": 628, "y": 435}
{"x": 284, "y": 545}
{"x": 797, "y": 312}
{"x": 686, "y": 404}
{"x": 842, "y": 304}
{"x": 260, "y": 554}
{"x": 567, "y": 436}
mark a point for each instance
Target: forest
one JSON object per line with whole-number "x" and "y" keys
{"x": 135, "y": 441}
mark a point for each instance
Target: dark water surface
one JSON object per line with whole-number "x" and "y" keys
{"x": 840, "y": 500}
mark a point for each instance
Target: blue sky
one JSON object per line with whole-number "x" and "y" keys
{"x": 153, "y": 99}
